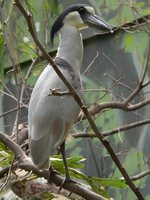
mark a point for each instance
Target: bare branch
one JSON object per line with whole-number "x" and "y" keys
{"x": 141, "y": 175}
{"x": 10, "y": 111}
{"x": 90, "y": 65}
{"x": 97, "y": 108}
{"x": 113, "y": 131}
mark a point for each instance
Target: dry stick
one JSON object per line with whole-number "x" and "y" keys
{"x": 10, "y": 94}
{"x": 97, "y": 108}
{"x": 90, "y": 65}
{"x": 141, "y": 175}
{"x": 113, "y": 131}
{"x": 10, "y": 111}
{"x": 147, "y": 83}
{"x": 80, "y": 102}
{"x": 25, "y": 79}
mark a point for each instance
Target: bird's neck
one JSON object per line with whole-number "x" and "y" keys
{"x": 71, "y": 46}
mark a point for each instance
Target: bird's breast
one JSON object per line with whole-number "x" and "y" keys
{"x": 46, "y": 105}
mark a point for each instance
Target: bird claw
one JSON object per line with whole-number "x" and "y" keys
{"x": 67, "y": 180}
{"x": 52, "y": 171}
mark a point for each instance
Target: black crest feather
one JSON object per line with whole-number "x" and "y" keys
{"x": 59, "y": 21}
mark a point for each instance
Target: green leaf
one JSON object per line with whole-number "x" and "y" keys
{"x": 42, "y": 195}
{"x": 129, "y": 43}
{"x": 5, "y": 149}
{"x": 2, "y": 147}
{"x": 97, "y": 184}
{"x": 139, "y": 5}
{"x": 74, "y": 162}
{"x": 2, "y": 154}
{"x": 4, "y": 163}
{"x": 6, "y": 156}
{"x": 136, "y": 42}
{"x": 47, "y": 195}
{"x": 98, "y": 189}
{"x": 110, "y": 182}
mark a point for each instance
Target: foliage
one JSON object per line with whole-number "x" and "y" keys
{"x": 6, "y": 156}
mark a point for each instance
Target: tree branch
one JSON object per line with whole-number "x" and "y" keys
{"x": 141, "y": 175}
{"x": 19, "y": 154}
{"x": 113, "y": 131}
{"x": 97, "y": 108}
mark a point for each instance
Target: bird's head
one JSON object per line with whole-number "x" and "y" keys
{"x": 79, "y": 16}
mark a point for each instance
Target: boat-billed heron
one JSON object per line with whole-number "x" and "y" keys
{"x": 51, "y": 117}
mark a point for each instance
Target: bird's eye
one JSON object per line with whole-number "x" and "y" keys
{"x": 82, "y": 10}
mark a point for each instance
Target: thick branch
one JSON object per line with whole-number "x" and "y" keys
{"x": 19, "y": 154}
{"x": 97, "y": 108}
{"x": 58, "y": 180}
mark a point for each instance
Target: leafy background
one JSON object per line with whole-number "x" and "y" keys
{"x": 119, "y": 56}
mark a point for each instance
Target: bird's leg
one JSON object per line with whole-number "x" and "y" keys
{"x": 62, "y": 150}
{"x": 67, "y": 179}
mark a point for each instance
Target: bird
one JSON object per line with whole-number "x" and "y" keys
{"x": 50, "y": 117}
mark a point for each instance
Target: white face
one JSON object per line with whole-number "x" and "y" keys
{"x": 74, "y": 19}
{"x": 90, "y": 9}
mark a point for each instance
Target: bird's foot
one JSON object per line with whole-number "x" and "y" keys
{"x": 51, "y": 172}
{"x": 67, "y": 180}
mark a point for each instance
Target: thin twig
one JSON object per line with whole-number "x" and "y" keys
{"x": 90, "y": 65}
{"x": 12, "y": 110}
{"x": 113, "y": 131}
{"x": 25, "y": 79}
{"x": 141, "y": 175}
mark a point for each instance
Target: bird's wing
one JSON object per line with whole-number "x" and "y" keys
{"x": 50, "y": 117}
{"x": 51, "y": 135}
